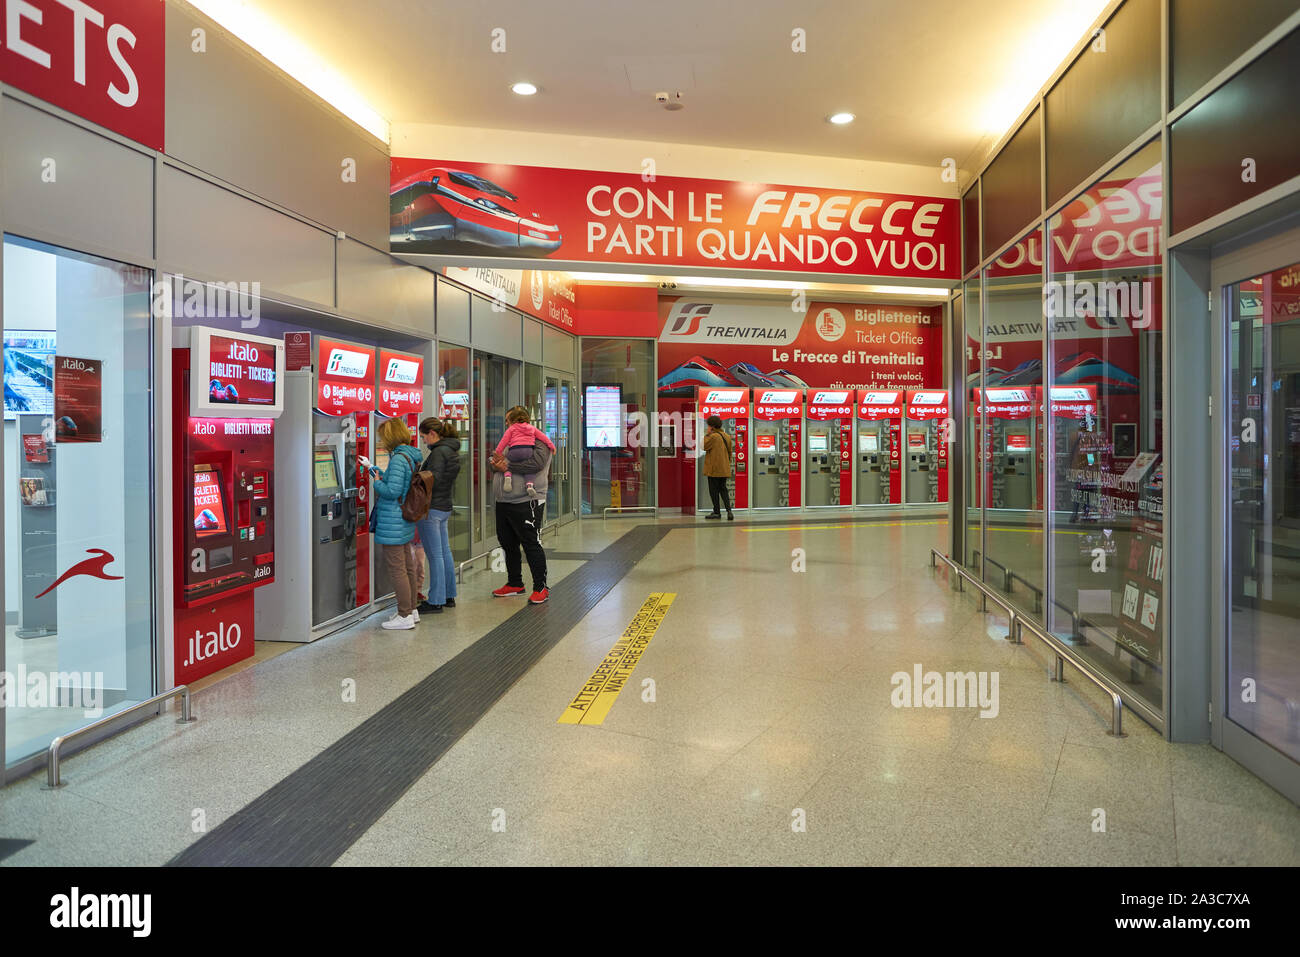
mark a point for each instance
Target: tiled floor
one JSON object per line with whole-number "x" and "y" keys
{"x": 770, "y": 737}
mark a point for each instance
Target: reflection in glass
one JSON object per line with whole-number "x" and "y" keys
{"x": 972, "y": 306}
{"x": 454, "y": 406}
{"x": 77, "y": 492}
{"x": 1107, "y": 519}
{"x": 1264, "y": 522}
{"x": 623, "y": 476}
{"x": 1009, "y": 438}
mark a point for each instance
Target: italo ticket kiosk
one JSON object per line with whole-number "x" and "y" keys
{"x": 777, "y": 448}
{"x": 879, "y": 440}
{"x": 324, "y": 569}
{"x": 732, "y": 407}
{"x": 828, "y": 447}
{"x": 926, "y": 428}
{"x": 228, "y": 389}
{"x": 1008, "y": 445}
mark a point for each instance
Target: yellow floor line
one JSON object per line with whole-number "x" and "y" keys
{"x": 598, "y": 695}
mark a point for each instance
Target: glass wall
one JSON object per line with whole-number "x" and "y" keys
{"x": 972, "y": 306}
{"x": 79, "y": 565}
{"x": 1264, "y": 508}
{"x": 624, "y": 474}
{"x": 1103, "y": 411}
{"x": 1011, "y": 435}
{"x": 454, "y": 406}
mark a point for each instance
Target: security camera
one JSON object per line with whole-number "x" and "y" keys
{"x": 662, "y": 97}
{"x": 670, "y": 101}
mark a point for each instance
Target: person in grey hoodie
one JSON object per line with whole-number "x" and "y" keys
{"x": 521, "y": 510}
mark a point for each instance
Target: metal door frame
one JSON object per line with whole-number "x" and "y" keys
{"x": 1229, "y": 267}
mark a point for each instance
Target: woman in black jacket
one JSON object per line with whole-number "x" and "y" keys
{"x": 444, "y": 462}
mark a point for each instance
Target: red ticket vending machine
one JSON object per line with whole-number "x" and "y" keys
{"x": 323, "y": 578}
{"x": 880, "y": 440}
{"x": 927, "y": 446}
{"x": 228, "y": 391}
{"x": 777, "y": 448}
{"x": 1083, "y": 449}
{"x": 1006, "y": 447}
{"x": 828, "y": 452}
{"x": 732, "y": 407}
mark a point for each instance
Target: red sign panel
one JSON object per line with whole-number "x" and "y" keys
{"x": 824, "y": 404}
{"x": 34, "y": 448}
{"x": 213, "y": 636}
{"x": 297, "y": 351}
{"x": 100, "y": 59}
{"x": 586, "y": 216}
{"x": 724, "y": 403}
{"x": 345, "y": 380}
{"x": 399, "y": 389}
{"x": 926, "y": 405}
{"x": 874, "y": 405}
{"x": 240, "y": 371}
{"x": 78, "y": 400}
{"x": 778, "y": 404}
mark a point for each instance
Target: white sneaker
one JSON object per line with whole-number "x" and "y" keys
{"x": 416, "y": 616}
{"x": 398, "y": 623}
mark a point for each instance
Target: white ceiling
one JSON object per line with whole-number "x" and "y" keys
{"x": 928, "y": 79}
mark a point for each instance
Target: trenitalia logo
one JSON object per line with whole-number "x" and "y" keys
{"x": 731, "y": 324}
{"x": 725, "y": 395}
{"x": 879, "y": 398}
{"x": 402, "y": 371}
{"x": 777, "y": 398}
{"x": 350, "y": 365}
{"x": 686, "y": 318}
{"x": 830, "y": 398}
{"x": 929, "y": 398}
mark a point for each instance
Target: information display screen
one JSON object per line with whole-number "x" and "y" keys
{"x": 868, "y": 442}
{"x": 241, "y": 372}
{"x": 28, "y": 372}
{"x": 916, "y": 440}
{"x": 326, "y": 469}
{"x": 818, "y": 442}
{"x": 765, "y": 442}
{"x": 603, "y": 411}
{"x": 1017, "y": 442}
{"x": 209, "y": 502}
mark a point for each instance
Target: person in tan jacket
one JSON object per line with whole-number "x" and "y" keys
{"x": 717, "y": 466}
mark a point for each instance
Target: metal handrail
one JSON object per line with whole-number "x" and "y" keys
{"x": 52, "y": 759}
{"x": 627, "y": 508}
{"x": 1063, "y": 654}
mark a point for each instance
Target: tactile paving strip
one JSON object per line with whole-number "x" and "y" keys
{"x": 318, "y": 811}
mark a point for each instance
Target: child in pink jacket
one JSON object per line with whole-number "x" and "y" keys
{"x": 522, "y": 436}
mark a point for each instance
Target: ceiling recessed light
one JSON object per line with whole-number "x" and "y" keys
{"x": 840, "y": 119}
{"x": 524, "y": 89}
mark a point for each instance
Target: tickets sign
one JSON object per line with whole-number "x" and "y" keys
{"x": 399, "y": 387}
{"x": 584, "y": 216}
{"x": 100, "y": 59}
{"x": 344, "y": 377}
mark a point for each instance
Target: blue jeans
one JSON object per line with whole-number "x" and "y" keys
{"x": 437, "y": 546}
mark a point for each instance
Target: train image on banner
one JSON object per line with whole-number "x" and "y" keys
{"x": 441, "y": 210}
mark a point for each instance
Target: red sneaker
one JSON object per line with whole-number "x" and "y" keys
{"x": 506, "y": 591}
{"x": 537, "y": 597}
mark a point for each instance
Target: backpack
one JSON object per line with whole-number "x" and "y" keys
{"x": 415, "y": 504}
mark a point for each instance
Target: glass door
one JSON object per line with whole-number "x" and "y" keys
{"x": 1262, "y": 667}
{"x": 564, "y": 449}
{"x": 490, "y": 402}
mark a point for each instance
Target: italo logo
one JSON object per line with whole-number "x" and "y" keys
{"x": 687, "y": 318}
{"x": 346, "y": 363}
{"x": 403, "y": 371}
{"x": 53, "y": 689}
{"x": 77, "y": 365}
{"x": 952, "y": 689}
{"x": 243, "y": 352}
{"x": 204, "y": 646}
{"x": 90, "y": 567}
{"x": 130, "y": 911}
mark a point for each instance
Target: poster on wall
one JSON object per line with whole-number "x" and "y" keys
{"x": 585, "y": 216}
{"x": 78, "y": 400}
{"x": 718, "y": 343}
{"x": 34, "y": 448}
{"x": 548, "y": 295}
{"x": 297, "y": 351}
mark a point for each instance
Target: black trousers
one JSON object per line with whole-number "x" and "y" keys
{"x": 520, "y": 524}
{"x": 718, "y": 489}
